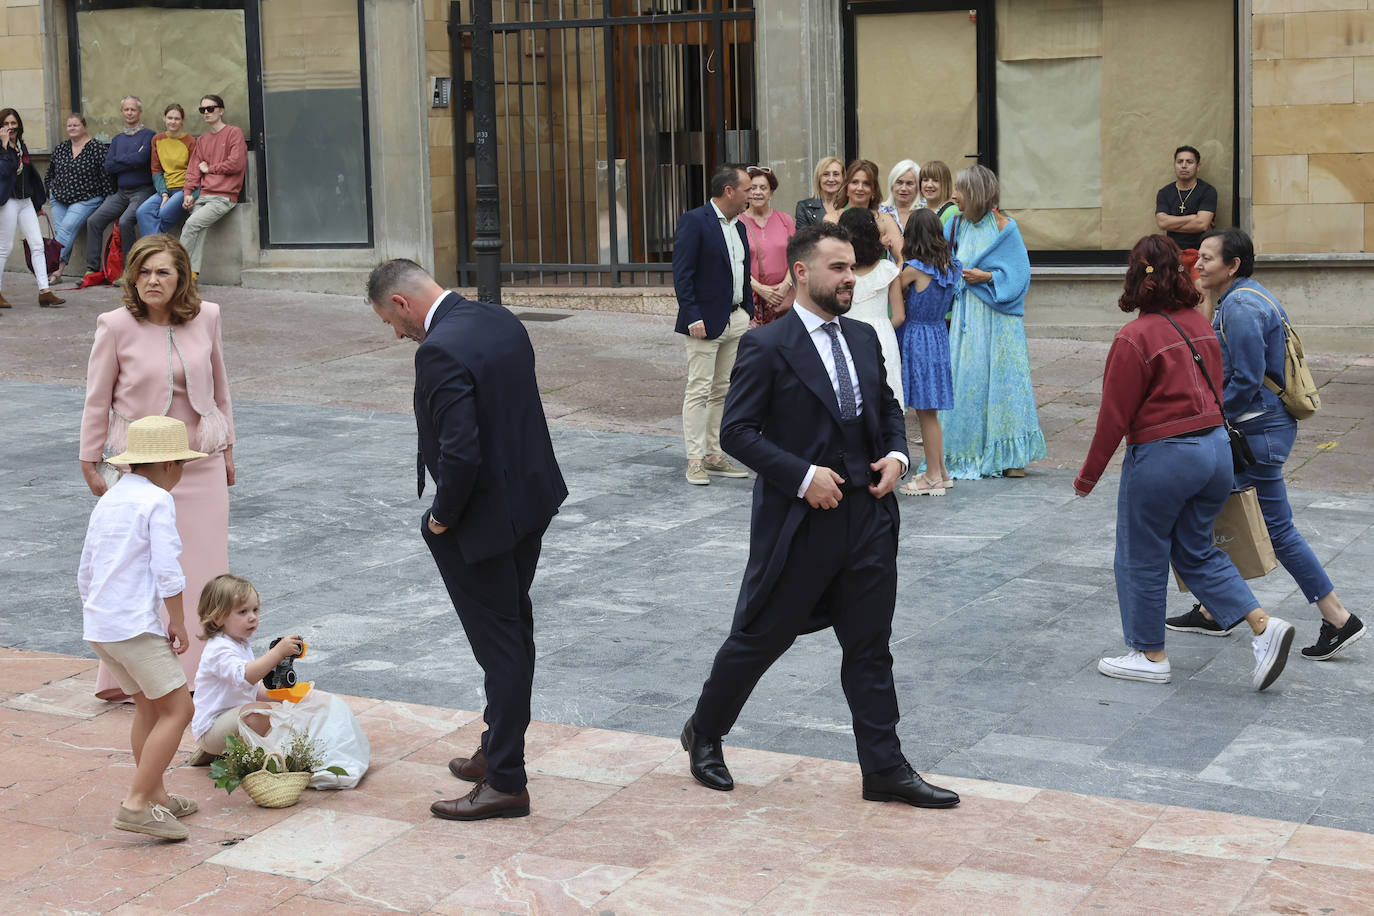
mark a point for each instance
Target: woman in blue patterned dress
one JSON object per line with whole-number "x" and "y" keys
{"x": 993, "y": 429}
{"x": 928, "y": 280}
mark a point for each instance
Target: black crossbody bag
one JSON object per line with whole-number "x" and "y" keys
{"x": 1241, "y": 455}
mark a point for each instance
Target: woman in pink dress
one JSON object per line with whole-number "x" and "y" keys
{"x": 162, "y": 354}
{"x": 769, "y": 232}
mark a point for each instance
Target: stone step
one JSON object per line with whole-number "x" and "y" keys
{"x": 341, "y": 281}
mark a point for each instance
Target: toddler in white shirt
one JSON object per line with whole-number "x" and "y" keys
{"x": 229, "y": 680}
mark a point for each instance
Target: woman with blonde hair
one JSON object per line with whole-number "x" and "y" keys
{"x": 903, "y": 194}
{"x": 828, "y": 179}
{"x": 993, "y": 430}
{"x": 161, "y": 353}
{"x": 937, "y": 190}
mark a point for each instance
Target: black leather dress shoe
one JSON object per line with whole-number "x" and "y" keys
{"x": 707, "y": 760}
{"x": 483, "y": 802}
{"x": 473, "y": 769}
{"x": 905, "y": 785}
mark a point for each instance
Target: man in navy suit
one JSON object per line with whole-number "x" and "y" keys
{"x": 484, "y": 440}
{"x": 810, "y": 411}
{"x": 714, "y": 305}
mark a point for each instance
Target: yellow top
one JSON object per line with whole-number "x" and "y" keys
{"x": 170, "y": 156}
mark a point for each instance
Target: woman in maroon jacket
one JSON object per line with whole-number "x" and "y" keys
{"x": 1177, "y": 473}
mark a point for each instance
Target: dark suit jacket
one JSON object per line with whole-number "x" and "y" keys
{"x": 781, "y": 417}
{"x": 483, "y": 436}
{"x": 701, "y": 272}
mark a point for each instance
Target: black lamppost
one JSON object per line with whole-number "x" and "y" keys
{"x": 487, "y": 245}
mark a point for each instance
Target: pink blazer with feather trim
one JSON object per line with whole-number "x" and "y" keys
{"x": 130, "y": 376}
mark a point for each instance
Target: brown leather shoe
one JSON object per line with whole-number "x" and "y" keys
{"x": 48, "y": 299}
{"x": 5, "y": 303}
{"x": 483, "y": 802}
{"x": 473, "y": 769}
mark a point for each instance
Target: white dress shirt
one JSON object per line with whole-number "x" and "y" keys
{"x": 221, "y": 681}
{"x": 733, "y": 244}
{"x": 429, "y": 316}
{"x": 815, "y": 329}
{"x": 130, "y": 562}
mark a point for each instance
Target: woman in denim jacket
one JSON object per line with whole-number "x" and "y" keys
{"x": 1250, "y": 330}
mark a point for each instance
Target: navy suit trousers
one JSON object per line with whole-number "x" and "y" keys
{"x": 492, "y": 598}
{"x": 843, "y": 560}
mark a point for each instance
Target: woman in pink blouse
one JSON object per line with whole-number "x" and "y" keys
{"x": 161, "y": 353}
{"x": 769, "y": 231}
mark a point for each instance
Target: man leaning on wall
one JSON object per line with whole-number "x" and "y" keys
{"x": 1186, "y": 207}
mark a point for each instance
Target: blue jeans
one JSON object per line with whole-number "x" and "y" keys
{"x": 67, "y": 220}
{"x": 1271, "y": 438}
{"x": 1171, "y": 493}
{"x": 155, "y": 216}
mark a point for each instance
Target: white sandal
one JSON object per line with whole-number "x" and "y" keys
{"x": 914, "y": 487}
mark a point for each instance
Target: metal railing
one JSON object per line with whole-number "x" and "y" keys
{"x": 610, "y": 117}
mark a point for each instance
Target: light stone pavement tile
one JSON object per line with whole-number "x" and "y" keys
{"x": 311, "y": 844}
{"x": 533, "y": 883}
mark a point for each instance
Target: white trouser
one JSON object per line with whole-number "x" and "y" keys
{"x": 18, "y": 211}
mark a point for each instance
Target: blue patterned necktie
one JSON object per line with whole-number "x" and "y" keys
{"x": 844, "y": 382}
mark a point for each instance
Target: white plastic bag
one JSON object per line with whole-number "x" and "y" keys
{"x": 326, "y": 719}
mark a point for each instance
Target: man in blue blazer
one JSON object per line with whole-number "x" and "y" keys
{"x": 810, "y": 411}
{"x": 714, "y": 305}
{"x": 484, "y": 440}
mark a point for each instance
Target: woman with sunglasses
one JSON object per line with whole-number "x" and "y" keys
{"x": 769, "y": 231}
{"x": 215, "y": 169}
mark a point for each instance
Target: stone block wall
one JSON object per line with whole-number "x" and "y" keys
{"x": 443, "y": 196}
{"x": 1313, "y": 126}
{"x": 21, "y": 69}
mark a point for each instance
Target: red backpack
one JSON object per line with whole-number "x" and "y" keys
{"x": 113, "y": 262}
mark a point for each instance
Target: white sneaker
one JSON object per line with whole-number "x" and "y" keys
{"x": 1271, "y": 652}
{"x": 1134, "y": 666}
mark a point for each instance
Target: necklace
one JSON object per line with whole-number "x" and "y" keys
{"x": 1183, "y": 198}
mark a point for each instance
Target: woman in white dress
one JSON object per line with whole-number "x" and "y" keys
{"x": 877, "y": 292}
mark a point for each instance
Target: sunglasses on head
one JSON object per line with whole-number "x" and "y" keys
{"x": 206, "y": 109}
{"x": 759, "y": 170}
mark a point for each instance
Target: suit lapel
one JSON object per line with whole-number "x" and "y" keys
{"x": 801, "y": 355}
{"x": 714, "y": 233}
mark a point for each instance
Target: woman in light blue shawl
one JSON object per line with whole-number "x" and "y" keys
{"x": 993, "y": 429}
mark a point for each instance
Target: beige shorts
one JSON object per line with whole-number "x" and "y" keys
{"x": 145, "y": 664}
{"x": 226, "y": 724}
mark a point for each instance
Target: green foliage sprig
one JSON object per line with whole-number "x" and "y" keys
{"x": 239, "y": 759}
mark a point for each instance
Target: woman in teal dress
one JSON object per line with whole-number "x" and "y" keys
{"x": 993, "y": 429}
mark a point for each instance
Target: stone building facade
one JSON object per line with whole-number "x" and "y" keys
{"x": 1091, "y": 97}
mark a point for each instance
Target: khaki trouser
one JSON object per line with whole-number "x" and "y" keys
{"x": 708, "y": 379}
{"x": 209, "y": 209}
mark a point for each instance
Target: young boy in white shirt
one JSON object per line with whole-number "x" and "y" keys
{"x": 130, "y": 567}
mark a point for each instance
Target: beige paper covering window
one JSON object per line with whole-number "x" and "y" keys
{"x": 161, "y": 56}
{"x": 1092, "y": 98}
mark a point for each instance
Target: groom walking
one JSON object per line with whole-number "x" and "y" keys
{"x": 809, "y": 410}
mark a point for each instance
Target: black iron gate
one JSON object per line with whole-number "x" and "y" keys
{"x": 609, "y": 117}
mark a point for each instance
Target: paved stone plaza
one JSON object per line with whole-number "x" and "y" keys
{"x": 1006, "y": 597}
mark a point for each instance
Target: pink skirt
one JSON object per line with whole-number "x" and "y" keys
{"x": 202, "y": 500}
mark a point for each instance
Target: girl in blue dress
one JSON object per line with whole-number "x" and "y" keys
{"x": 928, "y": 280}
